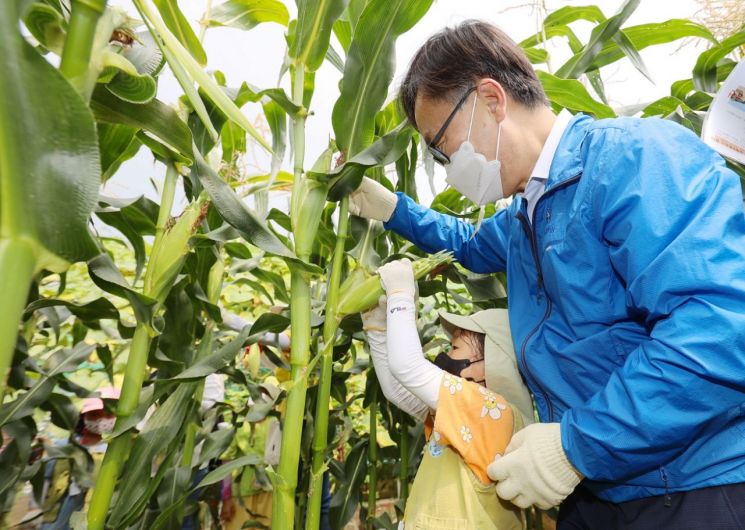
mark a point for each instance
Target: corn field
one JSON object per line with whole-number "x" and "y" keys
{"x": 146, "y": 309}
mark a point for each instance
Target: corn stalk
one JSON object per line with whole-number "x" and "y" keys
{"x": 283, "y": 499}
{"x": 170, "y": 247}
{"x": 76, "y": 54}
{"x": 372, "y": 459}
{"x": 330, "y": 326}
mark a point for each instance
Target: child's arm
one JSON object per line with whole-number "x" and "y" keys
{"x": 405, "y": 356}
{"x": 374, "y": 323}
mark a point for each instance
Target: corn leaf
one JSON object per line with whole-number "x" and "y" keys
{"x": 180, "y": 27}
{"x": 315, "y": 20}
{"x": 46, "y": 25}
{"x": 126, "y": 81}
{"x": 705, "y": 71}
{"x": 158, "y": 436}
{"x": 568, "y": 14}
{"x": 155, "y": 118}
{"x": 683, "y": 87}
{"x": 39, "y": 109}
{"x": 107, "y": 276}
{"x": 601, "y": 34}
{"x": 645, "y": 35}
{"x": 347, "y": 495}
{"x": 220, "y": 358}
{"x": 224, "y": 470}
{"x": 572, "y": 95}
{"x": 117, "y": 144}
{"x": 385, "y": 150}
{"x": 369, "y": 69}
{"x": 236, "y": 213}
{"x": 188, "y": 71}
{"x": 134, "y": 218}
{"x": 60, "y": 362}
{"x": 247, "y": 14}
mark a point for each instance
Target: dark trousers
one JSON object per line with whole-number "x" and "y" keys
{"x": 715, "y": 508}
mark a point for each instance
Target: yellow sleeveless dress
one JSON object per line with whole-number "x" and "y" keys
{"x": 451, "y": 490}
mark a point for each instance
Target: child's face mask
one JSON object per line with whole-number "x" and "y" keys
{"x": 455, "y": 366}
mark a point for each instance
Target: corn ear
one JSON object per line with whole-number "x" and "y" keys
{"x": 361, "y": 291}
{"x": 170, "y": 251}
{"x": 214, "y": 281}
{"x": 308, "y": 201}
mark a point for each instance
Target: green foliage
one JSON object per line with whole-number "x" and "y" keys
{"x": 143, "y": 309}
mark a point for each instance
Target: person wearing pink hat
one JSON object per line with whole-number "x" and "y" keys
{"x": 63, "y": 494}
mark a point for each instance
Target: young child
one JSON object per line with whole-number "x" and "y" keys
{"x": 467, "y": 422}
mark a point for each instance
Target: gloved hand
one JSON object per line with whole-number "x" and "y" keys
{"x": 534, "y": 469}
{"x": 372, "y": 200}
{"x": 398, "y": 277}
{"x": 375, "y": 318}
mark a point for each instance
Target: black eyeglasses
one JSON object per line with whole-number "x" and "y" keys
{"x": 437, "y": 154}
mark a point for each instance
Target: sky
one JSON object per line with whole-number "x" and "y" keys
{"x": 256, "y": 55}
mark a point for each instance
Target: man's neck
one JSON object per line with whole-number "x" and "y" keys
{"x": 539, "y": 122}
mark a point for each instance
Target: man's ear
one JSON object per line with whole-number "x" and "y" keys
{"x": 493, "y": 94}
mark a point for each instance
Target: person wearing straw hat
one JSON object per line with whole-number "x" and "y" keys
{"x": 471, "y": 398}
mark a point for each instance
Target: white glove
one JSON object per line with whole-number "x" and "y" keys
{"x": 214, "y": 391}
{"x": 375, "y": 319}
{"x": 372, "y": 200}
{"x": 398, "y": 277}
{"x": 534, "y": 469}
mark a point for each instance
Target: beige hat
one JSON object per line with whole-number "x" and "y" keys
{"x": 500, "y": 365}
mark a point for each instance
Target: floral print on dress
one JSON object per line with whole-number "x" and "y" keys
{"x": 435, "y": 449}
{"x": 452, "y": 383}
{"x": 491, "y": 407}
{"x": 472, "y": 421}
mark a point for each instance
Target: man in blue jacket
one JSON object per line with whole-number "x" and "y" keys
{"x": 624, "y": 249}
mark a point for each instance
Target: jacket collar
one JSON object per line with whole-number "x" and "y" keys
{"x": 567, "y": 161}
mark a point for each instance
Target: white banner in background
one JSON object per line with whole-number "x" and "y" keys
{"x": 724, "y": 125}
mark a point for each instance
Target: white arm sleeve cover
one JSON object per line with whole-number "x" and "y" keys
{"x": 405, "y": 356}
{"x": 392, "y": 389}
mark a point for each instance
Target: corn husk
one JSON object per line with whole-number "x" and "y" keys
{"x": 169, "y": 253}
{"x": 362, "y": 290}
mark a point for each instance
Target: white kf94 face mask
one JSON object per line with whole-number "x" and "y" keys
{"x": 471, "y": 174}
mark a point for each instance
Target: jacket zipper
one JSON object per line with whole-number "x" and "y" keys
{"x": 535, "y": 329}
{"x": 668, "y": 499}
{"x": 530, "y": 230}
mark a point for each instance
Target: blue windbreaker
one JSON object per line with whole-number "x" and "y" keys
{"x": 626, "y": 302}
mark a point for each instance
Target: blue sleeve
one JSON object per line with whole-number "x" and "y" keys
{"x": 671, "y": 214}
{"x": 432, "y": 231}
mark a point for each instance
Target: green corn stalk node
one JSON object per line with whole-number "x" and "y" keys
{"x": 361, "y": 290}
